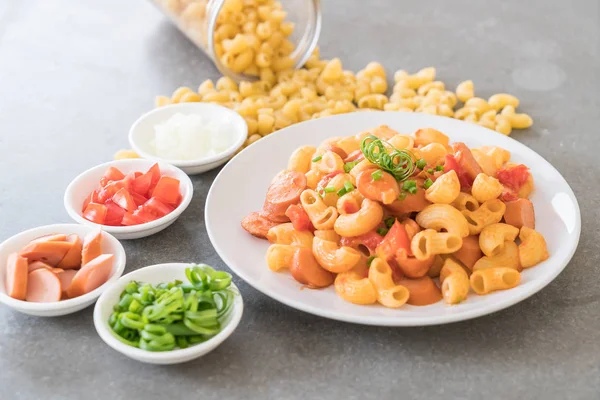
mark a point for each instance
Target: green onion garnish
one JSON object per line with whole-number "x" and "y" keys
{"x": 427, "y": 184}
{"x": 370, "y": 260}
{"x": 421, "y": 164}
{"x": 377, "y": 175}
{"x": 173, "y": 315}
{"x": 389, "y": 221}
{"x": 412, "y": 190}
{"x": 342, "y": 192}
{"x": 430, "y": 170}
{"x": 348, "y": 186}
{"x": 439, "y": 167}
{"x": 317, "y": 159}
{"x": 349, "y": 165}
{"x": 402, "y": 196}
{"x": 399, "y": 163}
{"x": 329, "y": 189}
{"x": 382, "y": 231}
{"x": 409, "y": 184}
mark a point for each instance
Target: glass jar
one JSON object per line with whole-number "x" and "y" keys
{"x": 258, "y": 35}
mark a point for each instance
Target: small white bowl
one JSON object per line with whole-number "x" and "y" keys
{"x": 142, "y": 133}
{"x": 110, "y": 245}
{"x": 155, "y": 274}
{"x": 86, "y": 182}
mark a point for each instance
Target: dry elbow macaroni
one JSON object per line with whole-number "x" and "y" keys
{"x": 376, "y": 251}
{"x": 254, "y": 38}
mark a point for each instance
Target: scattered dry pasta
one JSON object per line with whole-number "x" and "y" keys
{"x": 384, "y": 236}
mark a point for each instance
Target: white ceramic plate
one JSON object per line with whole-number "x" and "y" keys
{"x": 156, "y": 274}
{"x": 241, "y": 186}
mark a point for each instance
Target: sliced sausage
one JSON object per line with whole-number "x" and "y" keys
{"x": 37, "y": 265}
{"x": 385, "y": 189}
{"x": 410, "y": 266}
{"x": 411, "y": 203}
{"x": 337, "y": 150}
{"x": 468, "y": 163}
{"x": 520, "y": 213}
{"x": 65, "y": 277}
{"x": 54, "y": 237}
{"x": 92, "y": 247}
{"x": 73, "y": 257}
{"x": 285, "y": 190}
{"x": 423, "y": 291}
{"x": 51, "y": 253}
{"x": 91, "y": 275}
{"x": 16, "y": 276}
{"x": 307, "y": 271}
{"x": 43, "y": 286}
{"x": 257, "y": 225}
{"x": 470, "y": 251}
{"x": 356, "y": 155}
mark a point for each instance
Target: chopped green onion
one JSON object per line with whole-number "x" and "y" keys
{"x": 348, "y": 186}
{"x": 377, "y": 175}
{"x": 342, "y": 192}
{"x": 173, "y": 315}
{"x": 370, "y": 260}
{"x": 412, "y": 190}
{"x": 427, "y": 184}
{"x": 421, "y": 164}
{"x": 430, "y": 170}
{"x": 409, "y": 184}
{"x": 382, "y": 231}
{"x": 439, "y": 167}
{"x": 349, "y": 165}
{"x": 329, "y": 189}
{"x": 389, "y": 221}
{"x": 402, "y": 196}
{"x": 399, "y": 163}
{"x": 317, "y": 159}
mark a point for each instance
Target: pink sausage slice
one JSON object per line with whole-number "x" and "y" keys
{"x": 92, "y": 247}
{"x": 66, "y": 277}
{"x": 16, "y": 276}
{"x": 37, "y": 265}
{"x": 91, "y": 275}
{"x": 43, "y": 286}
{"x": 49, "y": 252}
{"x": 73, "y": 257}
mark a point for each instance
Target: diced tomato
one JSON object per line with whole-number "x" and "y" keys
{"x": 124, "y": 200}
{"x": 397, "y": 274}
{"x": 131, "y": 219}
{"x": 508, "y": 195}
{"x": 450, "y": 164}
{"x": 92, "y": 198}
{"x": 137, "y": 174}
{"x": 111, "y": 174}
{"x": 513, "y": 177}
{"x": 325, "y": 180}
{"x": 179, "y": 199}
{"x": 141, "y": 184}
{"x": 370, "y": 239}
{"x": 167, "y": 190}
{"x": 144, "y": 215}
{"x": 154, "y": 172}
{"x": 155, "y": 207}
{"x": 396, "y": 238}
{"x": 107, "y": 192}
{"x": 138, "y": 199}
{"x": 299, "y": 218}
{"x": 95, "y": 212}
{"x": 114, "y": 214}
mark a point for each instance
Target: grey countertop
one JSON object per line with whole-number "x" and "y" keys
{"x": 74, "y": 75}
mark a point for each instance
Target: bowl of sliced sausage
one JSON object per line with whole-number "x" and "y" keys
{"x": 58, "y": 269}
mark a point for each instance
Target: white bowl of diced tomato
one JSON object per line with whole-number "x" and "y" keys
{"x": 131, "y": 198}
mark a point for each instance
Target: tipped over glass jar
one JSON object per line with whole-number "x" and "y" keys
{"x": 249, "y": 39}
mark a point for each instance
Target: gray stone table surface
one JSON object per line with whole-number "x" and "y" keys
{"x": 74, "y": 75}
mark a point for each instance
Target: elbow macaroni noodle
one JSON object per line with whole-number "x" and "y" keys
{"x": 456, "y": 232}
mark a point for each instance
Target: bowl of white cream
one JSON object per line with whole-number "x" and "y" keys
{"x": 195, "y": 137}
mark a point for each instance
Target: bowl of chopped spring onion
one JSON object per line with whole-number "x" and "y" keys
{"x": 168, "y": 313}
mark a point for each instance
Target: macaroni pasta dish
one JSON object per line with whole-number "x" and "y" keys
{"x": 400, "y": 219}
